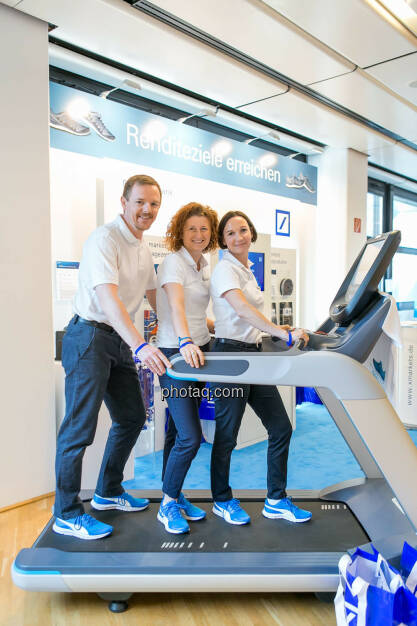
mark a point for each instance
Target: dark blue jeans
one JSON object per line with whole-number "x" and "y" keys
{"x": 98, "y": 366}
{"x": 183, "y": 437}
{"x": 268, "y": 406}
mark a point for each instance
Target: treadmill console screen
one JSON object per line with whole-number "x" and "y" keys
{"x": 368, "y": 257}
{"x": 360, "y": 286}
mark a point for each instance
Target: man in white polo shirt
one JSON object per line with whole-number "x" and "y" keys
{"x": 116, "y": 271}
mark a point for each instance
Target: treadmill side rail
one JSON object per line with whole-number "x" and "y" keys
{"x": 346, "y": 378}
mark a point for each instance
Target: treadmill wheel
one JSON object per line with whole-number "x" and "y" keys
{"x": 118, "y": 606}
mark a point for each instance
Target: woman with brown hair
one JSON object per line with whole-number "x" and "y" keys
{"x": 183, "y": 293}
{"x": 237, "y": 305}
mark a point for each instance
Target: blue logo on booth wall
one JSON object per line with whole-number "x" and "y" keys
{"x": 282, "y": 223}
{"x": 379, "y": 369}
{"x": 97, "y": 127}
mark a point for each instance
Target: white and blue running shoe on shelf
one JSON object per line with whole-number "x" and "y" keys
{"x": 190, "y": 511}
{"x": 285, "y": 509}
{"x": 82, "y": 527}
{"x": 170, "y": 516}
{"x": 231, "y": 512}
{"x": 124, "y": 502}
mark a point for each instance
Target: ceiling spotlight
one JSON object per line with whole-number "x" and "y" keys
{"x": 130, "y": 83}
{"x": 106, "y": 93}
{"x": 271, "y": 133}
{"x": 207, "y": 111}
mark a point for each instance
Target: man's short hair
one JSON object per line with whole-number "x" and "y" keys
{"x": 139, "y": 179}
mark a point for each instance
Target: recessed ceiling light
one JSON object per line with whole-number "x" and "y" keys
{"x": 413, "y": 83}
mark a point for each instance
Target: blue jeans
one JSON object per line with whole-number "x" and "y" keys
{"x": 268, "y": 406}
{"x": 184, "y": 429}
{"x": 98, "y": 366}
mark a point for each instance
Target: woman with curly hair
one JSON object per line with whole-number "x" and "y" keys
{"x": 183, "y": 293}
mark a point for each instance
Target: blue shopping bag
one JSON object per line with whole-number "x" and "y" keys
{"x": 372, "y": 593}
{"x": 409, "y": 567}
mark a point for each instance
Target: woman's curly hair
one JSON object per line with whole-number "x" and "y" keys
{"x": 173, "y": 238}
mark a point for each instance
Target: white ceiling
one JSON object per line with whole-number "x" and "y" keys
{"x": 326, "y": 44}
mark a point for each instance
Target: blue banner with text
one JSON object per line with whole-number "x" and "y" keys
{"x": 91, "y": 125}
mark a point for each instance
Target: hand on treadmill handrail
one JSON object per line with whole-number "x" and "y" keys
{"x": 192, "y": 355}
{"x": 299, "y": 334}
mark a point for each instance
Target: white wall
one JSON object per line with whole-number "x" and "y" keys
{"x": 342, "y": 186}
{"x": 27, "y": 444}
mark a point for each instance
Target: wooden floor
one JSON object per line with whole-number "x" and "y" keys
{"x": 19, "y": 527}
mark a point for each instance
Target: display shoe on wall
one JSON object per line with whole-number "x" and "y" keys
{"x": 294, "y": 181}
{"x": 96, "y": 123}
{"x": 306, "y": 183}
{"x": 63, "y": 121}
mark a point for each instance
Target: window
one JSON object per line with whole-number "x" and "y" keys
{"x": 391, "y": 208}
{"x": 376, "y": 202}
{"x": 404, "y": 265}
{"x": 404, "y": 218}
{"x": 374, "y": 214}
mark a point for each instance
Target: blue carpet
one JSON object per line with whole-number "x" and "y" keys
{"x": 318, "y": 457}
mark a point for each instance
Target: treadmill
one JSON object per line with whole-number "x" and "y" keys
{"x": 267, "y": 555}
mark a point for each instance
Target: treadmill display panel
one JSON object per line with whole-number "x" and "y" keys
{"x": 370, "y": 254}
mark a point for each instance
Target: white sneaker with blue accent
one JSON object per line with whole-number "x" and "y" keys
{"x": 231, "y": 511}
{"x": 124, "y": 502}
{"x": 285, "y": 509}
{"x": 170, "y": 516}
{"x": 82, "y": 527}
{"x": 190, "y": 511}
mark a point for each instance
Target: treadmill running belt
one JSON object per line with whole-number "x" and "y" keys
{"x": 333, "y": 528}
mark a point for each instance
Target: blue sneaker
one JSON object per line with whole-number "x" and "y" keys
{"x": 285, "y": 509}
{"x": 124, "y": 502}
{"x": 83, "y": 527}
{"x": 170, "y": 515}
{"x": 191, "y": 512}
{"x": 231, "y": 511}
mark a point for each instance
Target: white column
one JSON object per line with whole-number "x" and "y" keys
{"x": 342, "y": 187}
{"x": 27, "y": 444}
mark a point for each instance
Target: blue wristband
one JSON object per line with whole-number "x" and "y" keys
{"x": 182, "y": 339}
{"x": 145, "y": 343}
{"x": 185, "y": 344}
{"x": 289, "y": 342}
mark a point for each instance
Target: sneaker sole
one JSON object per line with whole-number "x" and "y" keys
{"x": 192, "y": 519}
{"x": 165, "y": 522}
{"x": 72, "y": 533}
{"x": 119, "y": 507}
{"x": 289, "y": 518}
{"x": 226, "y": 516}
{"x": 68, "y": 130}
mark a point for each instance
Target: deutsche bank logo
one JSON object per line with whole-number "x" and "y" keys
{"x": 282, "y": 223}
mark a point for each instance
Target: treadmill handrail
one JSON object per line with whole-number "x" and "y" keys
{"x": 345, "y": 377}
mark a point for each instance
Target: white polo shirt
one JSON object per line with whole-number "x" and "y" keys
{"x": 112, "y": 254}
{"x": 180, "y": 267}
{"x": 230, "y": 273}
